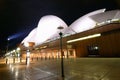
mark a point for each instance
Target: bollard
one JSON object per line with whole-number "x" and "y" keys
{"x": 13, "y": 60}
{"x": 32, "y": 58}
{"x": 37, "y": 58}
{"x": 20, "y": 59}
{"x": 6, "y": 60}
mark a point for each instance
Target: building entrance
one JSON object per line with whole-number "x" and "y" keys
{"x": 93, "y": 50}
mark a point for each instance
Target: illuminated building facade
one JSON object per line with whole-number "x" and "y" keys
{"x": 94, "y": 34}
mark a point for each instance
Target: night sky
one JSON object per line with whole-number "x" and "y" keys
{"x": 19, "y": 17}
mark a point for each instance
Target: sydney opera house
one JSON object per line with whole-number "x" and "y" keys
{"x": 94, "y": 34}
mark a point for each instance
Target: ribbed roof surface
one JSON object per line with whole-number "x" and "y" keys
{"x": 102, "y": 17}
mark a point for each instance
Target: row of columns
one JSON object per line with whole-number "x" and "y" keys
{"x": 38, "y": 56}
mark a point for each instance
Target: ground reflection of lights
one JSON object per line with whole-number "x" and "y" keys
{"x": 28, "y": 61}
{"x": 11, "y": 68}
{"x": 14, "y": 70}
{"x": 16, "y": 73}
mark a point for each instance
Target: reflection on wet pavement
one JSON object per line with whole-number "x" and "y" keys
{"x": 75, "y": 69}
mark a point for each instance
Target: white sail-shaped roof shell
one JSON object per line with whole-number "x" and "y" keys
{"x": 47, "y": 29}
{"x": 85, "y": 22}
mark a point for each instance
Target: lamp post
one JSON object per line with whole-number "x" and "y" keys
{"x": 28, "y": 45}
{"x": 18, "y": 54}
{"x": 27, "y": 53}
{"x": 61, "y": 49}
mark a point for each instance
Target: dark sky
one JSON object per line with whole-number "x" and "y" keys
{"x": 19, "y": 17}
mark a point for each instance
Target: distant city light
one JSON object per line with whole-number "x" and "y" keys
{"x": 15, "y": 36}
{"x": 8, "y": 39}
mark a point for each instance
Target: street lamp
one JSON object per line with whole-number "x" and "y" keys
{"x": 62, "y": 63}
{"x": 28, "y": 45}
{"x": 18, "y": 54}
{"x": 27, "y": 53}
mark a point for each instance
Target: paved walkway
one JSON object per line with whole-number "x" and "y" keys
{"x": 74, "y": 69}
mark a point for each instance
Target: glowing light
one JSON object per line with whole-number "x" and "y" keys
{"x": 28, "y": 53}
{"x": 12, "y": 69}
{"x": 8, "y": 39}
{"x": 113, "y": 20}
{"x": 83, "y": 38}
{"x": 18, "y": 49}
{"x": 16, "y": 73}
{"x": 26, "y": 44}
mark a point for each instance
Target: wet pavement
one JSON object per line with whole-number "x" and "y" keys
{"x": 74, "y": 69}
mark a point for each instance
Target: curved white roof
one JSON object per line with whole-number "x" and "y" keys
{"x": 47, "y": 28}
{"x": 30, "y": 37}
{"x": 85, "y": 22}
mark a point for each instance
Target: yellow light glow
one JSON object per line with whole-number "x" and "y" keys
{"x": 26, "y": 44}
{"x": 83, "y": 38}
